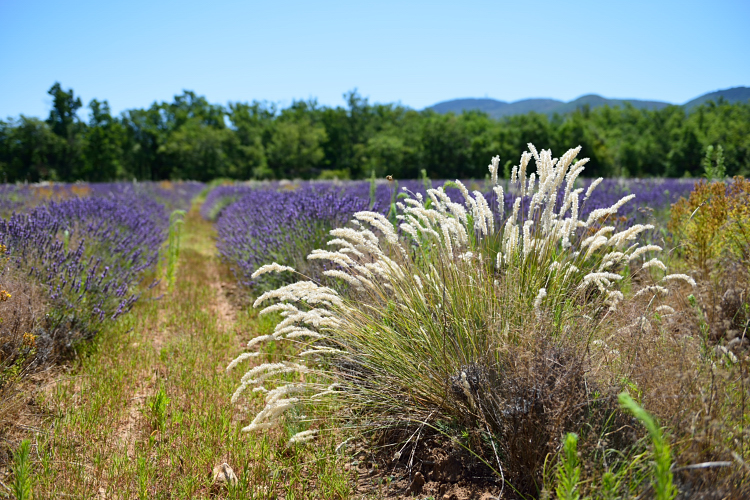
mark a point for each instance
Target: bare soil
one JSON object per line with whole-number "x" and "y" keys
{"x": 437, "y": 468}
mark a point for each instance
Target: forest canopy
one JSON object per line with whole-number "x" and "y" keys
{"x": 190, "y": 138}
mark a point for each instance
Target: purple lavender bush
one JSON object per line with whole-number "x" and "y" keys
{"x": 224, "y": 195}
{"x": 173, "y": 195}
{"x": 24, "y": 197}
{"x": 267, "y": 225}
{"x": 88, "y": 254}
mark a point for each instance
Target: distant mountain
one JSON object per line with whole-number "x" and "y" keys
{"x": 527, "y": 105}
{"x": 594, "y": 101}
{"x": 499, "y": 109}
{"x": 489, "y": 106}
{"x": 735, "y": 94}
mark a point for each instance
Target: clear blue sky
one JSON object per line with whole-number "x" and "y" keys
{"x": 135, "y": 52}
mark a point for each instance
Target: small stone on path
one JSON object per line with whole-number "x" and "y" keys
{"x": 224, "y": 475}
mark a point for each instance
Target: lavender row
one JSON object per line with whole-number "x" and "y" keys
{"x": 88, "y": 254}
{"x": 267, "y": 224}
{"x": 173, "y": 195}
{"x": 224, "y": 195}
{"x": 23, "y": 197}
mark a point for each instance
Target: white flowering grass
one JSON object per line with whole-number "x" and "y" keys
{"x": 446, "y": 295}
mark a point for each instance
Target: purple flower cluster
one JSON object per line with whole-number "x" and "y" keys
{"x": 653, "y": 197}
{"x": 174, "y": 195}
{"x": 23, "y": 197}
{"x": 224, "y": 195}
{"x": 88, "y": 253}
{"x": 266, "y": 225}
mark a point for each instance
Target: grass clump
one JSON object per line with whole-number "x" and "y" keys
{"x": 711, "y": 231}
{"x": 468, "y": 315}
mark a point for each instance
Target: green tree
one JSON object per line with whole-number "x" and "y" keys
{"x": 294, "y": 149}
{"x": 103, "y": 146}
{"x": 146, "y": 131}
{"x": 65, "y": 124}
{"x": 192, "y": 138}
{"x": 28, "y": 147}
{"x": 384, "y": 154}
{"x": 198, "y": 151}
{"x": 251, "y": 123}
{"x": 445, "y": 147}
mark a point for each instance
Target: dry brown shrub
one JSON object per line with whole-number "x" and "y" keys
{"x": 20, "y": 318}
{"x": 711, "y": 231}
{"x": 541, "y": 389}
{"x": 21, "y": 350}
{"x": 699, "y": 393}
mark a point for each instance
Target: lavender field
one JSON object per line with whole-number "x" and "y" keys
{"x": 512, "y": 338}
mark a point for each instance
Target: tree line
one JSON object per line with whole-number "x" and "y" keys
{"x": 190, "y": 138}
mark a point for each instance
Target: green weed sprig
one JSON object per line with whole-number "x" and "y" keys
{"x": 569, "y": 471}
{"x": 22, "y": 471}
{"x": 664, "y": 488}
{"x": 157, "y": 406}
{"x": 713, "y": 164}
{"x": 373, "y": 188}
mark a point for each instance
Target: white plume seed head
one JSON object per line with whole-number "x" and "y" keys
{"x": 302, "y": 437}
{"x": 271, "y": 268}
{"x": 653, "y": 290}
{"x": 538, "y": 301}
{"x": 654, "y": 263}
{"x": 646, "y": 248}
{"x": 680, "y": 277}
{"x": 592, "y": 186}
{"x": 493, "y": 167}
{"x": 664, "y": 309}
{"x": 278, "y": 307}
{"x": 242, "y": 357}
{"x": 275, "y": 394}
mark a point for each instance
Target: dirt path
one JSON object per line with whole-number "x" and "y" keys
{"x": 147, "y": 413}
{"x": 162, "y": 334}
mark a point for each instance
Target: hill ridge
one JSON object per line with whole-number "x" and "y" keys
{"x": 498, "y": 109}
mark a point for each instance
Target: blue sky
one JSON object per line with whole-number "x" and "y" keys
{"x": 135, "y": 52}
